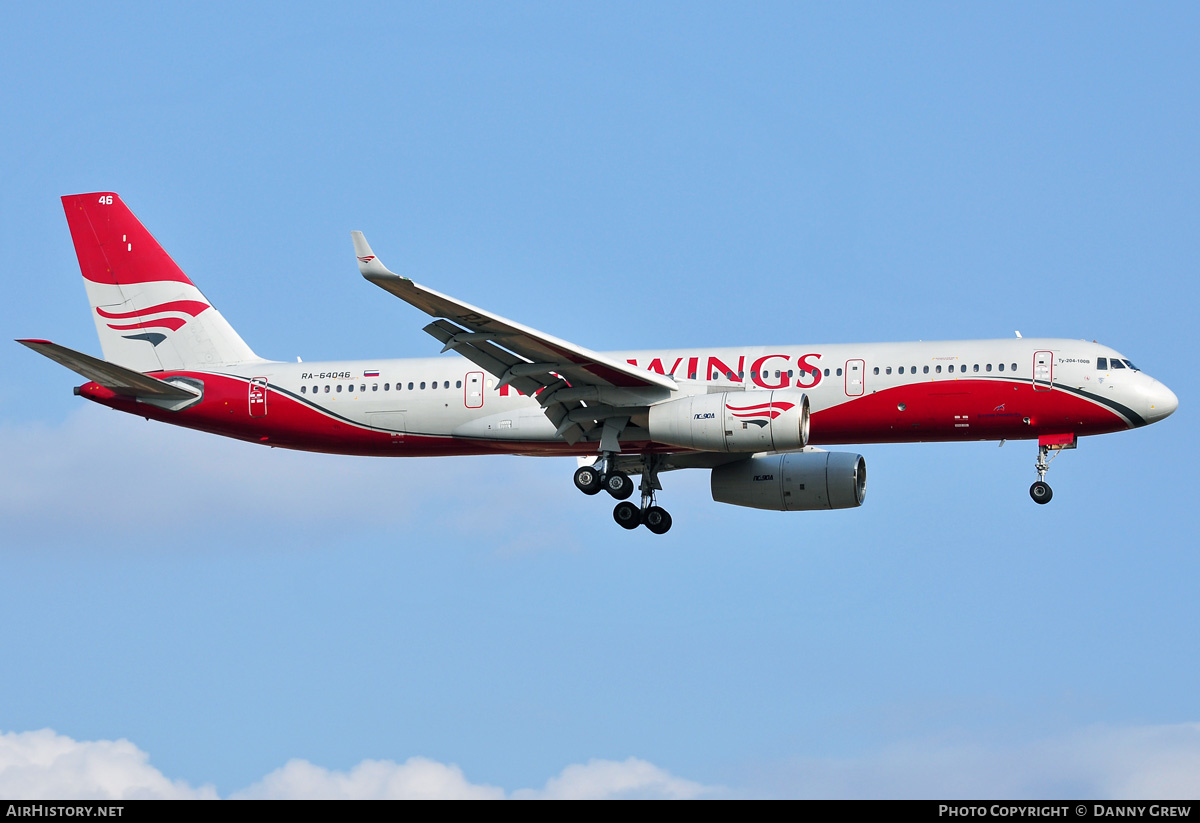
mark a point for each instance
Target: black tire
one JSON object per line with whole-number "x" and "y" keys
{"x": 1041, "y": 492}
{"x": 587, "y": 480}
{"x": 627, "y": 515}
{"x": 618, "y": 485}
{"x": 657, "y": 520}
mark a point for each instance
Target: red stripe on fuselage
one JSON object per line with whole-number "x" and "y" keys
{"x": 291, "y": 423}
{"x": 960, "y": 410}
{"x": 935, "y": 411}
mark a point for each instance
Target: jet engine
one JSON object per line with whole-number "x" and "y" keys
{"x": 742, "y": 421}
{"x": 804, "y": 481}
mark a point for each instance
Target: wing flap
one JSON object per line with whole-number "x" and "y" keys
{"x": 578, "y": 389}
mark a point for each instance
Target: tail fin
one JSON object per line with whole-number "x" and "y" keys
{"x": 148, "y": 314}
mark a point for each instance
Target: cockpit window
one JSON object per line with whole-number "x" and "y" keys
{"x": 1102, "y": 363}
{"x": 1130, "y": 365}
{"x": 1116, "y": 364}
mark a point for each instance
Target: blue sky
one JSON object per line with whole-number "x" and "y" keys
{"x": 624, "y": 176}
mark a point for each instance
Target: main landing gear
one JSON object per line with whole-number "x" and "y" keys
{"x": 604, "y": 475}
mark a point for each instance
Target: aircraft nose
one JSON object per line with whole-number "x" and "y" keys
{"x": 1160, "y": 402}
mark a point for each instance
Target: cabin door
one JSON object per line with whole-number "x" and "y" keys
{"x": 1043, "y": 370}
{"x": 856, "y": 371}
{"x": 473, "y": 390}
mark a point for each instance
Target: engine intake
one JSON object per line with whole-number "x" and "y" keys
{"x": 743, "y": 421}
{"x": 805, "y": 481}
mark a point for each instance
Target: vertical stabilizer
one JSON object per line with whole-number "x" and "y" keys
{"x": 148, "y": 314}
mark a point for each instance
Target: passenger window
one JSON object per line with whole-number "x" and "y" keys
{"x": 839, "y": 372}
{"x": 422, "y": 384}
{"x": 304, "y": 389}
{"x": 327, "y": 388}
{"x": 888, "y": 370}
{"x": 975, "y": 367}
{"x": 410, "y": 385}
{"x": 963, "y": 368}
{"x": 1116, "y": 364}
{"x": 988, "y": 367}
{"x": 446, "y": 385}
{"x": 388, "y": 386}
{"x": 458, "y": 384}
{"x": 925, "y": 369}
{"x": 900, "y": 370}
{"x": 877, "y": 370}
{"x": 1001, "y": 367}
{"x": 1102, "y": 363}
{"x": 1014, "y": 366}
{"x": 827, "y": 372}
{"x": 374, "y": 387}
{"x": 937, "y": 369}
{"x": 363, "y": 387}
{"x": 339, "y": 388}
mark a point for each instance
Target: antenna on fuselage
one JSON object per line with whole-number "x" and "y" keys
{"x": 1018, "y": 335}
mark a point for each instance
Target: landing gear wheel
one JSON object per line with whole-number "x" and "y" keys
{"x": 627, "y": 515}
{"x": 587, "y": 480}
{"x": 656, "y": 519}
{"x": 1041, "y": 492}
{"x": 618, "y": 485}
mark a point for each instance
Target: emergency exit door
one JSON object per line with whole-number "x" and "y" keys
{"x": 258, "y": 397}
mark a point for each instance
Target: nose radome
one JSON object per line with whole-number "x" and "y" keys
{"x": 1160, "y": 402}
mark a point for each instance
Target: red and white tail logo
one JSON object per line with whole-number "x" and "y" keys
{"x": 145, "y": 321}
{"x": 139, "y": 295}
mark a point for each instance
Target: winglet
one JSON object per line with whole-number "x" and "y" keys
{"x": 368, "y": 263}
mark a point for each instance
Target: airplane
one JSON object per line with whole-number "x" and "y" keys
{"x": 755, "y": 417}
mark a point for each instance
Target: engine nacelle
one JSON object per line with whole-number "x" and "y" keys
{"x": 805, "y": 481}
{"x": 742, "y": 421}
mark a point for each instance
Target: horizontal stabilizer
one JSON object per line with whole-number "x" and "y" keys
{"x": 116, "y": 378}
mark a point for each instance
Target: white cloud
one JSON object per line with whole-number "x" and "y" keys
{"x": 611, "y": 780}
{"x": 44, "y": 765}
{"x": 415, "y": 779}
{"x": 47, "y": 765}
{"x": 99, "y": 466}
{"x": 1149, "y": 762}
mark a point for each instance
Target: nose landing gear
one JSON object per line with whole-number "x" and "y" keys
{"x": 1040, "y": 491}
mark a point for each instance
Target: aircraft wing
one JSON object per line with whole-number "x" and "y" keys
{"x": 116, "y": 378}
{"x": 529, "y": 360}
